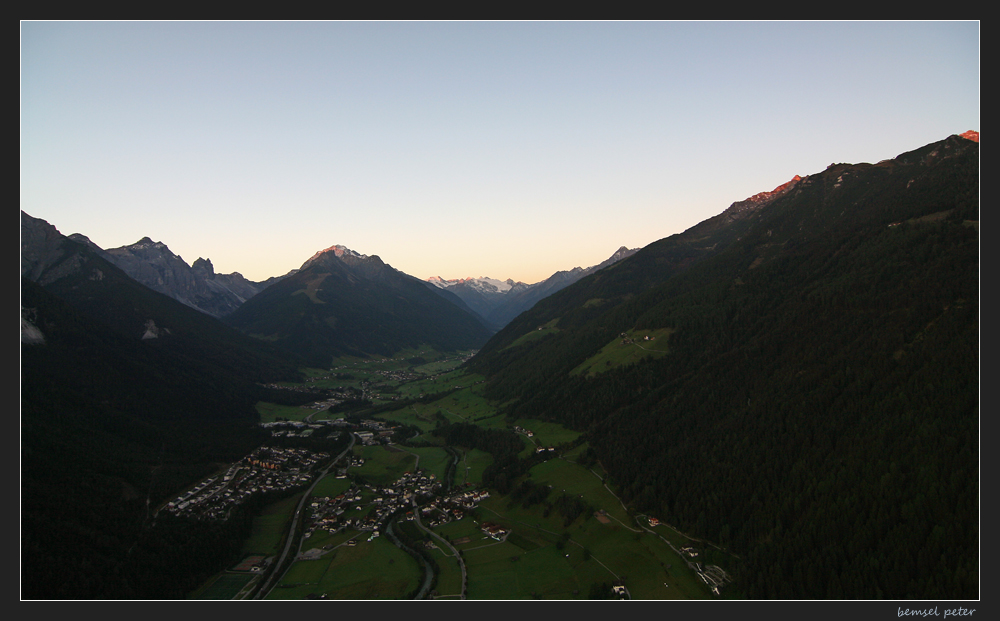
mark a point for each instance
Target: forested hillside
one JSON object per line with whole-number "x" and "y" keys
{"x": 817, "y": 410}
{"x": 355, "y": 305}
{"x": 114, "y": 420}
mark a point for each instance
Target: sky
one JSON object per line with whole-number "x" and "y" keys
{"x": 459, "y": 149}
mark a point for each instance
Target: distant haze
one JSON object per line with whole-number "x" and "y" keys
{"x": 507, "y": 150}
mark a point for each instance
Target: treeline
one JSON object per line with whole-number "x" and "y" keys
{"x": 502, "y": 444}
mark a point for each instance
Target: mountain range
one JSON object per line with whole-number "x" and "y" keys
{"x": 498, "y": 302}
{"x": 197, "y": 285}
{"x": 341, "y": 302}
{"x": 345, "y": 318}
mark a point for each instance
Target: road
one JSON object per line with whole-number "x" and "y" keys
{"x": 446, "y": 543}
{"x": 275, "y": 577}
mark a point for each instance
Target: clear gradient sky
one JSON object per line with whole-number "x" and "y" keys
{"x": 508, "y": 150}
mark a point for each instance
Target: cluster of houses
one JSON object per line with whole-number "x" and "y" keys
{"x": 329, "y": 513}
{"x": 400, "y": 376}
{"x": 371, "y": 431}
{"x": 627, "y": 340}
{"x": 266, "y": 469}
{"x": 294, "y": 428}
{"x": 450, "y": 508}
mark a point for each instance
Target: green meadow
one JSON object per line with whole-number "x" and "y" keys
{"x": 384, "y": 464}
{"x": 370, "y": 570}
{"x": 543, "y": 330}
{"x": 331, "y": 486}
{"x": 270, "y": 412}
{"x": 270, "y": 527}
{"x": 224, "y": 586}
{"x": 548, "y": 433}
{"x": 471, "y": 466}
{"x": 420, "y": 415}
{"x": 618, "y": 353}
{"x": 433, "y": 460}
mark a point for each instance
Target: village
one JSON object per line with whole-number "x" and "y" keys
{"x": 267, "y": 469}
{"x": 360, "y": 510}
{"x": 272, "y": 469}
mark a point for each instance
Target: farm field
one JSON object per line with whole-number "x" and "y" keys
{"x": 270, "y": 412}
{"x": 369, "y": 570}
{"x": 548, "y": 433}
{"x": 383, "y": 465}
{"x": 225, "y": 586}
{"x": 633, "y": 346}
{"x": 331, "y": 486}
{"x": 270, "y": 526}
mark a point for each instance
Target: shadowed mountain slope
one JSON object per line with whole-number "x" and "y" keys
{"x": 813, "y": 401}
{"x": 343, "y": 303}
{"x": 126, "y": 396}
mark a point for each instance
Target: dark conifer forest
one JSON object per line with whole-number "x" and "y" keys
{"x": 817, "y": 414}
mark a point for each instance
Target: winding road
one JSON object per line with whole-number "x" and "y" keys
{"x": 275, "y": 577}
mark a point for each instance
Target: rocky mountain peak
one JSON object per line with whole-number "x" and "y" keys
{"x": 204, "y": 265}
{"x": 337, "y": 250}
{"x": 760, "y": 199}
{"x": 145, "y": 243}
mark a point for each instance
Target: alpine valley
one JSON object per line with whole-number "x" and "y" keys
{"x": 781, "y": 402}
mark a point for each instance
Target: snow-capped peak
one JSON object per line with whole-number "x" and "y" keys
{"x": 483, "y": 283}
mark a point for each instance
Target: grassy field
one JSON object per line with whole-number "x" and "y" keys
{"x": 548, "y": 433}
{"x": 467, "y": 405}
{"x": 449, "y": 582}
{"x": 270, "y": 527}
{"x": 543, "y": 330}
{"x": 438, "y": 384}
{"x": 462, "y": 529}
{"x": 567, "y": 477}
{"x": 270, "y": 412}
{"x": 370, "y": 570}
{"x": 545, "y": 573}
{"x": 331, "y": 486}
{"x": 420, "y": 415}
{"x": 593, "y": 552}
{"x": 471, "y": 466}
{"x": 615, "y": 543}
{"x": 616, "y": 354}
{"x": 433, "y": 460}
{"x": 225, "y": 586}
{"x": 383, "y": 465}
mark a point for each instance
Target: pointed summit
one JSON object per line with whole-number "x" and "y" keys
{"x": 204, "y": 265}
{"x": 337, "y": 250}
